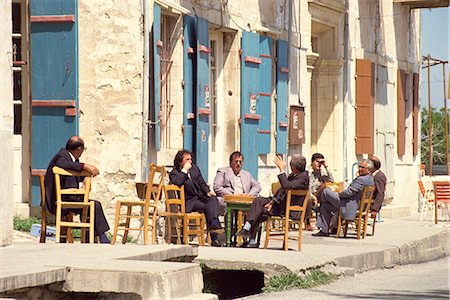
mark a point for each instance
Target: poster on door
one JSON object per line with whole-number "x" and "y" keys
{"x": 207, "y": 96}
{"x": 252, "y": 103}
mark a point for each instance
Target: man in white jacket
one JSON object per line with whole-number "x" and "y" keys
{"x": 232, "y": 180}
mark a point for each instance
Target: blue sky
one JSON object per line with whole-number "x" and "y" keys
{"x": 436, "y": 43}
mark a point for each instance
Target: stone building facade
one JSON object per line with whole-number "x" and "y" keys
{"x": 142, "y": 79}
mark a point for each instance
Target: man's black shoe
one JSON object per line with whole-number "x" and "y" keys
{"x": 334, "y": 231}
{"x": 321, "y": 233}
{"x": 215, "y": 227}
{"x": 216, "y": 243}
{"x": 316, "y": 209}
{"x": 256, "y": 245}
{"x": 244, "y": 233}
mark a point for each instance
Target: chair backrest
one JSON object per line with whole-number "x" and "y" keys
{"x": 442, "y": 191}
{"x": 174, "y": 198}
{"x": 275, "y": 187}
{"x": 72, "y": 191}
{"x": 155, "y": 183}
{"x": 366, "y": 199}
{"x": 335, "y": 186}
{"x": 293, "y": 207}
{"x": 422, "y": 188}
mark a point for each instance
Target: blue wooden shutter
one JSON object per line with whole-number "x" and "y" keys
{"x": 282, "y": 95}
{"x": 189, "y": 59}
{"x": 157, "y": 46}
{"x": 202, "y": 94}
{"x": 250, "y": 63}
{"x": 263, "y": 106}
{"x": 54, "y": 80}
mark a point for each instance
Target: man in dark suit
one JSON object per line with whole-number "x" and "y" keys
{"x": 68, "y": 158}
{"x": 261, "y": 206}
{"x": 233, "y": 180}
{"x": 198, "y": 195}
{"x": 347, "y": 201}
{"x": 380, "y": 186}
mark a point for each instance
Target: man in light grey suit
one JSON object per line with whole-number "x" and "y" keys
{"x": 347, "y": 201}
{"x": 233, "y": 180}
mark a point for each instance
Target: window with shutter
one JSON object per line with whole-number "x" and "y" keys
{"x": 364, "y": 133}
{"x": 401, "y": 111}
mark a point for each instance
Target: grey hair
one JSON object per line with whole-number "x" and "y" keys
{"x": 298, "y": 162}
{"x": 369, "y": 163}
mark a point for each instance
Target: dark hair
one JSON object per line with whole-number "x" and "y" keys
{"x": 316, "y": 156}
{"x": 298, "y": 162}
{"x": 74, "y": 143}
{"x": 376, "y": 163}
{"x": 179, "y": 158}
{"x": 236, "y": 154}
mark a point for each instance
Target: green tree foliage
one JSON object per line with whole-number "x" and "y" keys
{"x": 438, "y": 136}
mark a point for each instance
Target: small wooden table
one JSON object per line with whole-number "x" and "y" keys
{"x": 235, "y": 203}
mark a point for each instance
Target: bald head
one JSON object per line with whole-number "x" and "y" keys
{"x": 74, "y": 143}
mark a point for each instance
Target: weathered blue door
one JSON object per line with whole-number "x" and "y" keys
{"x": 189, "y": 61}
{"x": 54, "y": 80}
{"x": 263, "y": 103}
{"x": 202, "y": 96}
{"x": 282, "y": 94}
{"x": 250, "y": 66}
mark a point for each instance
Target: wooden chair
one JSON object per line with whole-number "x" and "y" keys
{"x": 152, "y": 196}
{"x": 442, "y": 195}
{"x": 85, "y": 205}
{"x": 426, "y": 200}
{"x": 192, "y": 223}
{"x": 66, "y": 235}
{"x": 362, "y": 215}
{"x": 286, "y": 220}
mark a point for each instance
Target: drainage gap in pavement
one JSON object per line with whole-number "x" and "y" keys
{"x": 230, "y": 284}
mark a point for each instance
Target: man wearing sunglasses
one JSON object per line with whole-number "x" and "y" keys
{"x": 347, "y": 201}
{"x": 68, "y": 158}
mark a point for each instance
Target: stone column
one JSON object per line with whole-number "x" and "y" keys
{"x": 6, "y": 125}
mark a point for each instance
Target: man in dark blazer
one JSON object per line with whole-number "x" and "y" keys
{"x": 261, "y": 206}
{"x": 347, "y": 201}
{"x": 233, "y": 180}
{"x": 380, "y": 186}
{"x": 198, "y": 195}
{"x": 68, "y": 158}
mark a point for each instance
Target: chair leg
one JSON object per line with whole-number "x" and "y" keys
{"x": 373, "y": 224}
{"x": 345, "y": 228}
{"x": 91, "y": 221}
{"x": 358, "y": 228}
{"x": 116, "y": 222}
{"x": 58, "y": 223}
{"x": 154, "y": 217}
{"x": 239, "y": 225}
{"x": 145, "y": 226}
{"x": 300, "y": 235}
{"x": 286, "y": 233}
{"x": 268, "y": 225}
{"x": 338, "y": 229}
{"x": 127, "y": 225}
{"x": 366, "y": 219}
{"x": 43, "y": 227}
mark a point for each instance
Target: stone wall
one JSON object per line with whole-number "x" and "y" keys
{"x": 110, "y": 91}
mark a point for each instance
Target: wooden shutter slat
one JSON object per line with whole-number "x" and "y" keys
{"x": 401, "y": 114}
{"x": 364, "y": 134}
{"x": 415, "y": 113}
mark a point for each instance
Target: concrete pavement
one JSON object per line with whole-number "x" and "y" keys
{"x": 173, "y": 271}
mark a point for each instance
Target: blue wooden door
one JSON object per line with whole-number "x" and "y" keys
{"x": 202, "y": 95}
{"x": 157, "y": 47}
{"x": 282, "y": 94}
{"x": 250, "y": 64}
{"x": 189, "y": 61}
{"x": 263, "y": 103}
{"x": 54, "y": 80}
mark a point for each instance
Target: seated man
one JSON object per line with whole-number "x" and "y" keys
{"x": 297, "y": 180}
{"x": 68, "y": 159}
{"x": 380, "y": 186}
{"x": 347, "y": 201}
{"x": 233, "y": 180}
{"x": 198, "y": 196}
{"x": 318, "y": 174}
